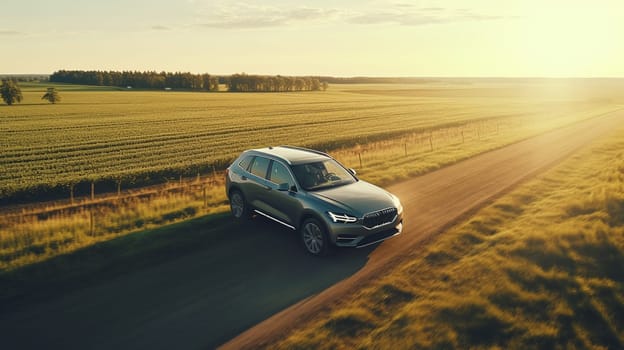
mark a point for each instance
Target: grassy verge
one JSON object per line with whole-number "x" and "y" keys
{"x": 29, "y": 239}
{"x": 539, "y": 268}
{"x": 110, "y": 259}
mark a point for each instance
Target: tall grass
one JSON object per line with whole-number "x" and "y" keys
{"x": 29, "y": 237}
{"x": 539, "y": 268}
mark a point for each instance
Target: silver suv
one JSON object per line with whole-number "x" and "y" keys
{"x": 310, "y": 192}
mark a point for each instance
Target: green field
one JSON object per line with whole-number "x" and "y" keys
{"x": 97, "y": 134}
{"x": 540, "y": 268}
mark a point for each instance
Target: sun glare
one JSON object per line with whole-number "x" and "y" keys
{"x": 570, "y": 42}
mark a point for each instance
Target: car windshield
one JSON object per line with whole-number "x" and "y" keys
{"x": 322, "y": 174}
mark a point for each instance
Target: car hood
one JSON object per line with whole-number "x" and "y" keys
{"x": 358, "y": 198}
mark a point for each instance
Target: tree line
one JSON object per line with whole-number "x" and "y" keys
{"x": 264, "y": 83}
{"x": 139, "y": 80}
{"x": 25, "y": 77}
{"x": 188, "y": 81}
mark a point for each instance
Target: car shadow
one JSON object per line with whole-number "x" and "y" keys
{"x": 276, "y": 272}
{"x": 204, "y": 287}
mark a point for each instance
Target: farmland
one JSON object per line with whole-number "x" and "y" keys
{"x": 140, "y": 137}
{"x": 50, "y": 245}
{"x": 104, "y": 136}
{"x": 538, "y": 268}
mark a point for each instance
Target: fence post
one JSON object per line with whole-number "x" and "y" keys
{"x": 431, "y": 141}
{"x": 360, "y": 157}
{"x": 205, "y": 198}
{"x": 405, "y": 149}
{"x": 91, "y": 223}
{"x": 92, "y": 190}
{"x": 71, "y": 193}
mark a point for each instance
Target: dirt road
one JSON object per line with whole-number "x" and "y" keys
{"x": 434, "y": 202}
{"x": 258, "y": 273}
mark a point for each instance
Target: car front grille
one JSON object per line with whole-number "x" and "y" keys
{"x": 380, "y": 217}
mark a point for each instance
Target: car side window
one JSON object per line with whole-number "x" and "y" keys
{"x": 279, "y": 174}
{"x": 245, "y": 162}
{"x": 259, "y": 167}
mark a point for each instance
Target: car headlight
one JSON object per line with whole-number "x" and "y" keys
{"x": 397, "y": 204}
{"x": 344, "y": 218}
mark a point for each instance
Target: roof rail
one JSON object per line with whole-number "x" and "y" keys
{"x": 306, "y": 149}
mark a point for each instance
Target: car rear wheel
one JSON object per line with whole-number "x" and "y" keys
{"x": 314, "y": 237}
{"x": 238, "y": 206}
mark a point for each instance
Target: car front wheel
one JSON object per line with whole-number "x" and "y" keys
{"x": 314, "y": 237}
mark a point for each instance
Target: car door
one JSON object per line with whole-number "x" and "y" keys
{"x": 257, "y": 184}
{"x": 283, "y": 202}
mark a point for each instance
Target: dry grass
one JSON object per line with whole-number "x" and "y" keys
{"x": 31, "y": 238}
{"x": 541, "y": 268}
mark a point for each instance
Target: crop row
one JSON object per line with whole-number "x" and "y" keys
{"x": 106, "y": 136}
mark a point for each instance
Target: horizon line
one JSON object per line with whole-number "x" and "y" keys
{"x": 349, "y": 77}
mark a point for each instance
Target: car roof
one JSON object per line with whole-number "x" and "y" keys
{"x": 293, "y": 154}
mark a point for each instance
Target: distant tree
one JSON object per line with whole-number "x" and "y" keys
{"x": 315, "y": 84}
{"x": 214, "y": 84}
{"x": 52, "y": 96}
{"x": 205, "y": 81}
{"x": 307, "y": 83}
{"x": 289, "y": 84}
{"x": 10, "y": 91}
{"x": 324, "y": 85}
{"x": 299, "y": 83}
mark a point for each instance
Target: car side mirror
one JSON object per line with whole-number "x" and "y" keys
{"x": 283, "y": 187}
{"x": 352, "y": 171}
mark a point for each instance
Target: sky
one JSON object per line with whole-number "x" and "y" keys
{"x": 445, "y": 38}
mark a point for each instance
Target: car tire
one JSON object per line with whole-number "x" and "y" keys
{"x": 238, "y": 206}
{"x": 314, "y": 237}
